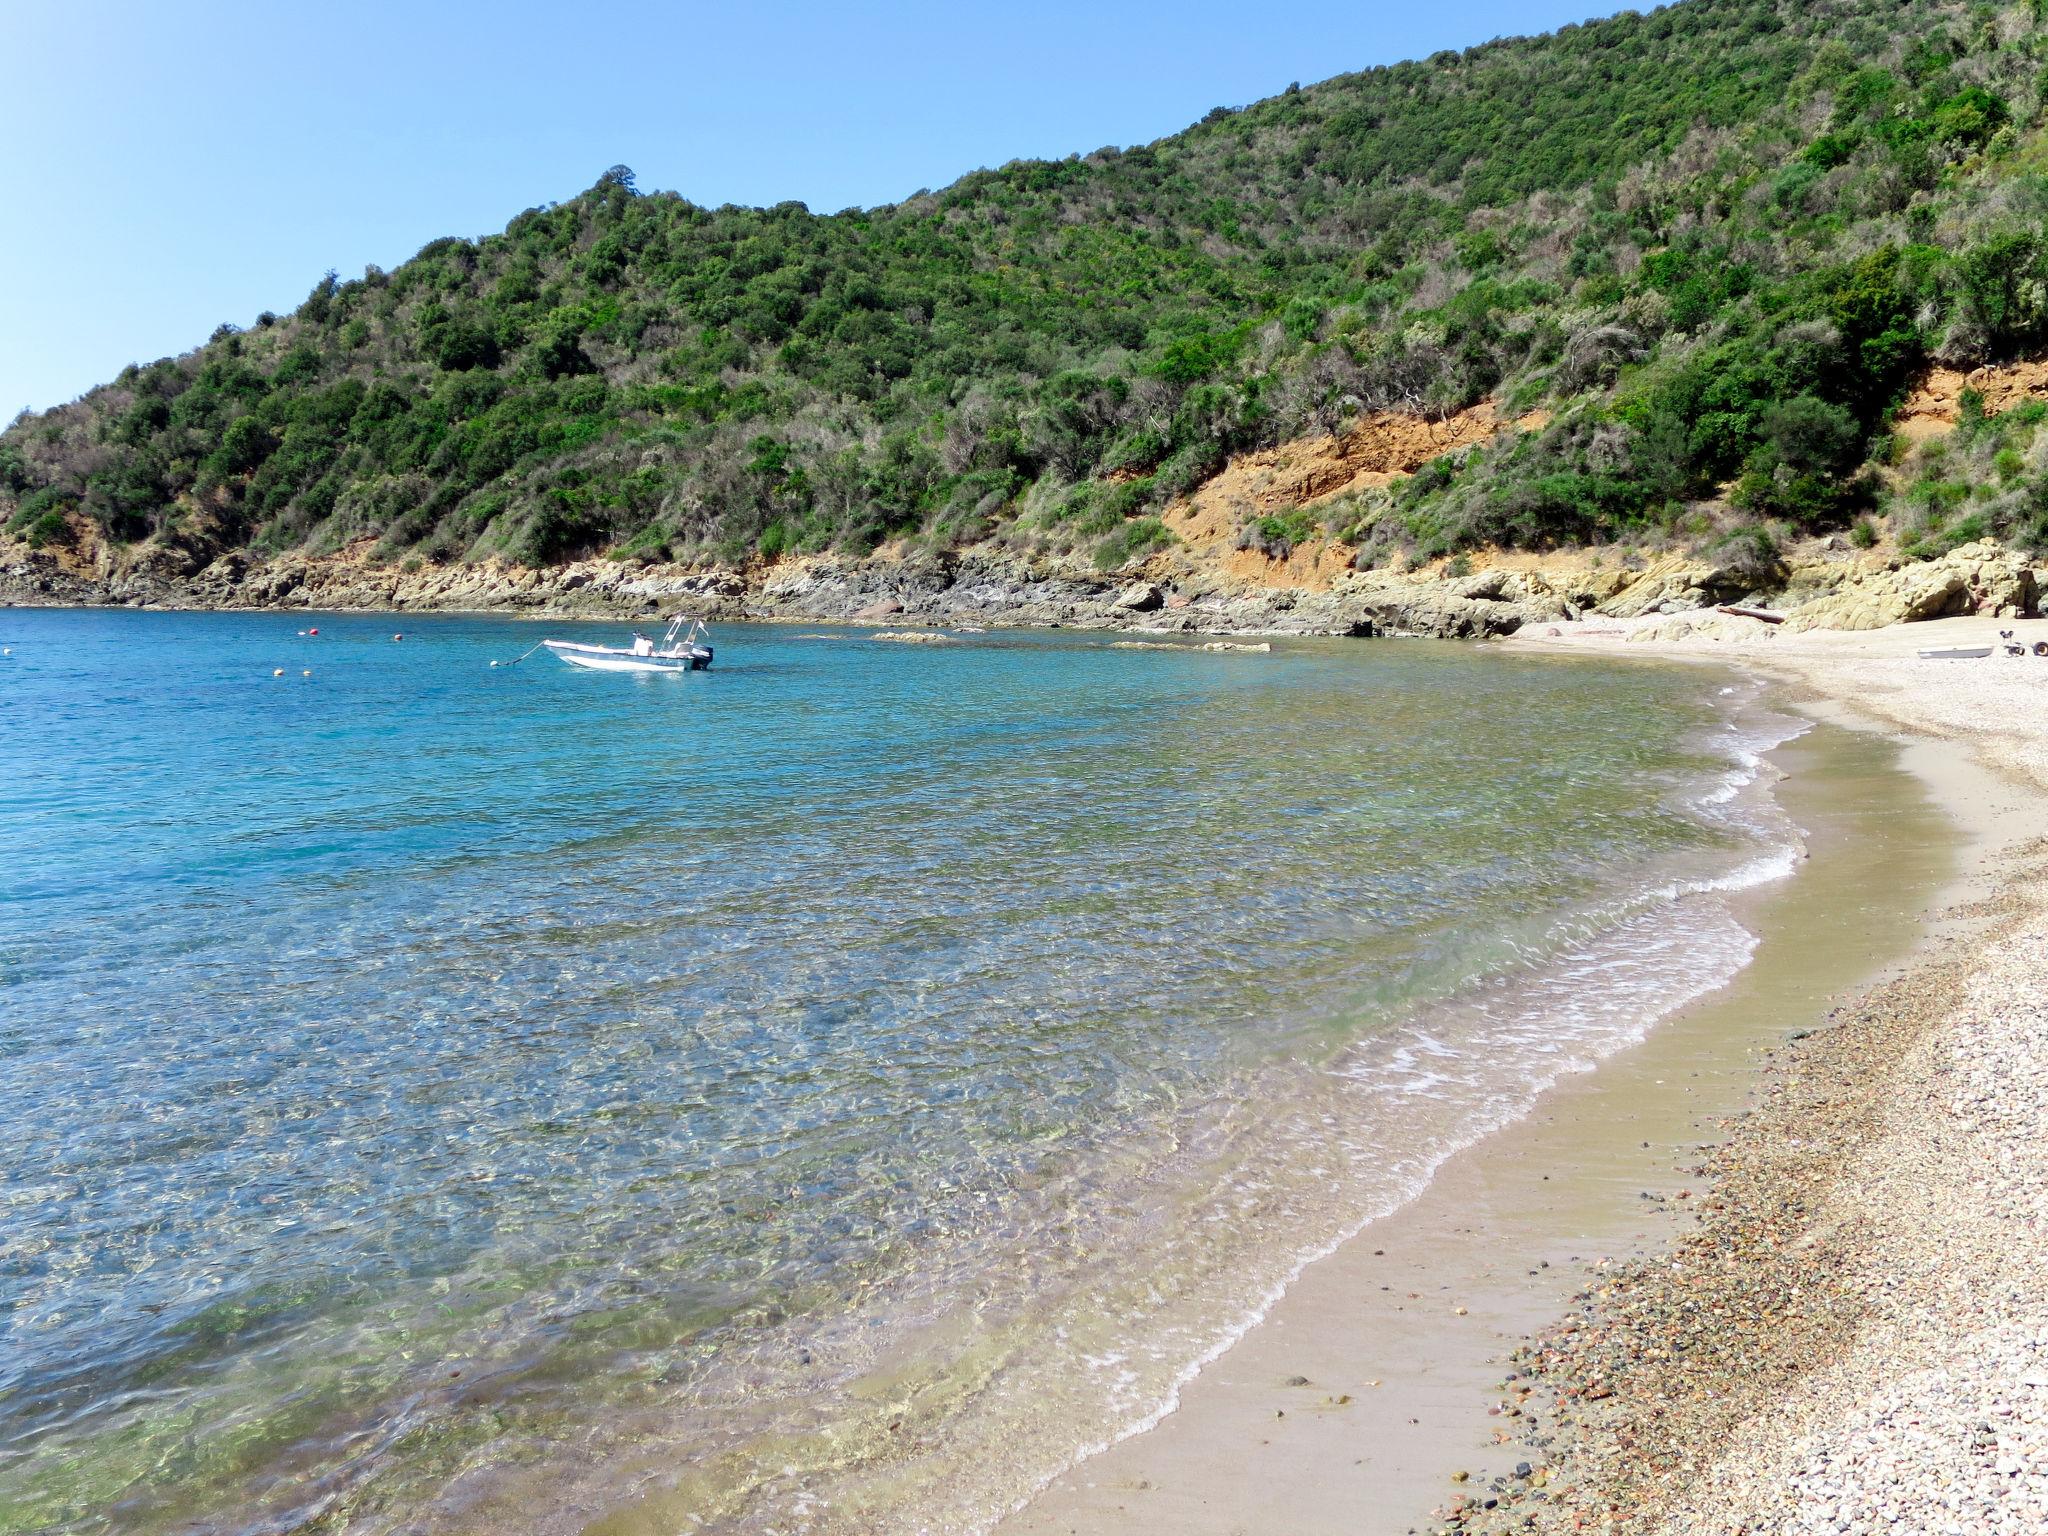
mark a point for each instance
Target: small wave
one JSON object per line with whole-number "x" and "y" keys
{"x": 1734, "y": 783}
{"x": 1599, "y": 981}
{"x": 1773, "y": 865}
{"x": 1747, "y": 742}
{"x": 1489, "y": 1059}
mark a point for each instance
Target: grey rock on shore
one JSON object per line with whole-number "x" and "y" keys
{"x": 949, "y": 587}
{"x": 1185, "y": 591}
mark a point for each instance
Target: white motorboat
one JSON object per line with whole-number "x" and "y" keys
{"x": 676, "y": 652}
{"x": 1955, "y": 653}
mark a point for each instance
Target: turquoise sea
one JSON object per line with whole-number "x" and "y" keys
{"x": 828, "y": 1093}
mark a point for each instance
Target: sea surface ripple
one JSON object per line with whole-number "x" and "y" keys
{"x": 460, "y": 1090}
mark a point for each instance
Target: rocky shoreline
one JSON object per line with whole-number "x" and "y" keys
{"x": 1183, "y": 591}
{"x": 950, "y": 587}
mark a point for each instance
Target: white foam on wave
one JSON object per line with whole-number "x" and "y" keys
{"x": 1602, "y": 982}
{"x": 1735, "y": 782}
{"x": 1514, "y": 1042}
{"x": 1766, "y": 868}
{"x": 1746, "y": 741}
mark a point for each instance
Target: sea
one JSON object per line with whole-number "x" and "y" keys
{"x": 837, "y": 1092}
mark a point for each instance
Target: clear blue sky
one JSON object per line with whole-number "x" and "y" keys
{"x": 165, "y": 167}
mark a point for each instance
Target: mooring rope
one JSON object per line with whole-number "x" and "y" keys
{"x": 520, "y": 657}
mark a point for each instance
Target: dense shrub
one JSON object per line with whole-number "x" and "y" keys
{"x": 1718, "y": 239}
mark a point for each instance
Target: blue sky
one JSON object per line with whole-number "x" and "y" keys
{"x": 167, "y": 167}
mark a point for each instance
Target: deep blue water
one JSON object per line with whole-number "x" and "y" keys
{"x": 408, "y": 1066}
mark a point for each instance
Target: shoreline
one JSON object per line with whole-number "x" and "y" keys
{"x": 1349, "y": 1407}
{"x": 1201, "y": 587}
{"x": 1694, "y": 1387}
{"x": 1832, "y": 1340}
{"x": 897, "y": 585}
{"x": 1857, "y": 1335}
{"x": 1600, "y": 1408}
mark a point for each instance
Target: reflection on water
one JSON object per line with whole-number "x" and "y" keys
{"x": 825, "y": 1093}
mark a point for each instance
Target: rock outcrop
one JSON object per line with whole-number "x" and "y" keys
{"x": 989, "y": 584}
{"x": 1676, "y": 584}
{"x": 1705, "y": 624}
{"x": 1935, "y": 404}
{"x": 1980, "y": 578}
{"x": 980, "y": 586}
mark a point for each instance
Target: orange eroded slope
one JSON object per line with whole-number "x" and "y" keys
{"x": 1935, "y": 404}
{"x": 1375, "y": 451}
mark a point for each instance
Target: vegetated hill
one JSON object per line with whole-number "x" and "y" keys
{"x": 1717, "y": 242}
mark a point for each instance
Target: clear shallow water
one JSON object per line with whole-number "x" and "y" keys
{"x": 827, "y": 1093}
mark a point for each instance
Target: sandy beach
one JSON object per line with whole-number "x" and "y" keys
{"x": 1779, "y": 1268}
{"x": 1857, "y": 1337}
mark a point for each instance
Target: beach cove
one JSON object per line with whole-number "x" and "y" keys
{"x": 1341, "y": 828}
{"x": 1172, "y": 1228}
{"x": 1843, "y": 1332}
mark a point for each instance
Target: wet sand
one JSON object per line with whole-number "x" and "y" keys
{"x": 1358, "y": 1402}
{"x": 1856, "y": 1336}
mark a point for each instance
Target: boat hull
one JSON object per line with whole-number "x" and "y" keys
{"x": 602, "y": 658}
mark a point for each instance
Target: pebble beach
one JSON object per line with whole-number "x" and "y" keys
{"x": 1853, "y": 1335}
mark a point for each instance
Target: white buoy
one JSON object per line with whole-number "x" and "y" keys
{"x": 494, "y": 663}
{"x": 278, "y": 673}
{"x": 307, "y": 673}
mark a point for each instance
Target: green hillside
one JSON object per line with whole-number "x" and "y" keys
{"x": 1717, "y": 241}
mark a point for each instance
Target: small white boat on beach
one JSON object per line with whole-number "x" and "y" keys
{"x": 676, "y": 652}
{"x": 1955, "y": 653}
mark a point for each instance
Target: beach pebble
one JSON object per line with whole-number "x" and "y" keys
{"x": 1896, "y": 1227}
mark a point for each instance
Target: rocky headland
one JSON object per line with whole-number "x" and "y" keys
{"x": 1193, "y": 589}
